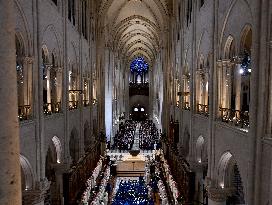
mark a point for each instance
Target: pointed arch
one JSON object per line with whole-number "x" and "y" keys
{"x": 28, "y": 177}
{"x": 57, "y": 144}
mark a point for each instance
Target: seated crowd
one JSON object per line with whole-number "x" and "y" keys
{"x": 124, "y": 138}
{"x": 148, "y": 135}
{"x": 132, "y": 192}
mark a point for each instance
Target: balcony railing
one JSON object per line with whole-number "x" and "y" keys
{"x": 24, "y": 112}
{"x": 235, "y": 117}
{"x": 202, "y": 109}
{"x": 50, "y": 108}
{"x": 73, "y": 105}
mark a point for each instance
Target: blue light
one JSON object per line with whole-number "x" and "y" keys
{"x": 246, "y": 64}
{"x": 139, "y": 65}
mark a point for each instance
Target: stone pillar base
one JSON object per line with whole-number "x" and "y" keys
{"x": 36, "y": 196}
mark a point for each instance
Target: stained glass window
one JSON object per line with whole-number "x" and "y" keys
{"x": 139, "y": 65}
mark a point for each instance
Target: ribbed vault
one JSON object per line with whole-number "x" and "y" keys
{"x": 135, "y": 27}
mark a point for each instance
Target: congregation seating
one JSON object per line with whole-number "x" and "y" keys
{"x": 124, "y": 138}
{"x": 132, "y": 192}
{"x": 149, "y": 135}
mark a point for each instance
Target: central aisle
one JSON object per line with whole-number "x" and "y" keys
{"x": 131, "y": 191}
{"x": 136, "y": 137}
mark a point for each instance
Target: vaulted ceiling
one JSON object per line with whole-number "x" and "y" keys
{"x": 135, "y": 26}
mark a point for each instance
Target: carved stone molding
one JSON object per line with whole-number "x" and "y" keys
{"x": 37, "y": 195}
{"x": 218, "y": 194}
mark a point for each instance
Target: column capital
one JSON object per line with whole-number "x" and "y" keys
{"x": 219, "y": 194}
{"x": 37, "y": 195}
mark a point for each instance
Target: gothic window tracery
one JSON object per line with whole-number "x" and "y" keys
{"x": 234, "y": 81}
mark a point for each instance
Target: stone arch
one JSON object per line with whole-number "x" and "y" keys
{"x": 87, "y": 136}
{"x": 229, "y": 48}
{"x": 50, "y": 37}
{"x": 228, "y": 177}
{"x": 58, "y": 148}
{"x": 222, "y": 167}
{"x": 20, "y": 44}
{"x": 22, "y": 27}
{"x": 74, "y": 147}
{"x": 246, "y": 39}
{"x": 227, "y": 17}
{"x": 27, "y": 176}
{"x": 201, "y": 151}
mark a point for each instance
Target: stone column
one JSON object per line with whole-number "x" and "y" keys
{"x": 269, "y": 123}
{"x": 237, "y": 79}
{"x": 224, "y": 85}
{"x": 60, "y": 169}
{"x": 25, "y": 81}
{"x": 228, "y": 84}
{"x": 197, "y": 89}
{"x": 198, "y": 168}
{"x": 220, "y": 80}
{"x": 48, "y": 86}
{"x": 10, "y": 186}
{"x": 59, "y": 84}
